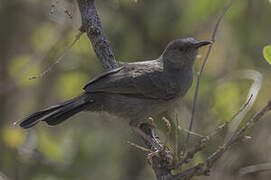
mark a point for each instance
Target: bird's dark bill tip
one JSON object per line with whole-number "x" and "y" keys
{"x": 203, "y": 43}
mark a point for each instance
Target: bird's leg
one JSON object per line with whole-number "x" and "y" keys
{"x": 147, "y": 138}
{"x": 146, "y": 129}
{"x": 149, "y": 121}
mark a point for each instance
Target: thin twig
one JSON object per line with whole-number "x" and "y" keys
{"x": 204, "y": 168}
{"x": 255, "y": 168}
{"x": 168, "y": 125}
{"x": 69, "y": 14}
{"x": 242, "y": 108}
{"x": 215, "y": 156}
{"x": 203, "y": 141}
{"x": 140, "y": 147}
{"x": 190, "y": 132}
{"x": 252, "y": 122}
{"x": 68, "y": 48}
{"x": 222, "y": 126}
{"x": 254, "y": 89}
{"x": 201, "y": 70}
{"x": 176, "y": 158}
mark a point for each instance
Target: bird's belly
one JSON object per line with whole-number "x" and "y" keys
{"x": 128, "y": 107}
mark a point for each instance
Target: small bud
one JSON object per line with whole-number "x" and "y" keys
{"x": 198, "y": 56}
{"x": 247, "y": 138}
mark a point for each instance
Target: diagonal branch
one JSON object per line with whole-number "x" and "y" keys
{"x": 204, "y": 168}
{"x": 91, "y": 24}
{"x": 205, "y": 139}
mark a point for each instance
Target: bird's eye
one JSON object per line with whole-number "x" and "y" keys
{"x": 182, "y": 49}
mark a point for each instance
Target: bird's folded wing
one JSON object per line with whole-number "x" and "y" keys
{"x": 141, "y": 79}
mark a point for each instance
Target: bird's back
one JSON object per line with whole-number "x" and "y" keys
{"x": 146, "y": 79}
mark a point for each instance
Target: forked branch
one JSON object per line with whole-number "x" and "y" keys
{"x": 205, "y": 167}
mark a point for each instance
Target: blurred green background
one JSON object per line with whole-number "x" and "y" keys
{"x": 94, "y": 146}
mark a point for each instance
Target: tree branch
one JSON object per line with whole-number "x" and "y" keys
{"x": 226, "y": 8}
{"x": 204, "y": 168}
{"x": 204, "y": 140}
{"x": 163, "y": 163}
{"x": 91, "y": 24}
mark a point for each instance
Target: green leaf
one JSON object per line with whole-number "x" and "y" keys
{"x": 174, "y": 172}
{"x": 267, "y": 53}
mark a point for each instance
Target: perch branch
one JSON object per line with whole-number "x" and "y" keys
{"x": 91, "y": 24}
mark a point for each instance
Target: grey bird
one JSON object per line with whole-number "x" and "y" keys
{"x": 135, "y": 91}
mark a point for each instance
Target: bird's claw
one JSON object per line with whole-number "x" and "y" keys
{"x": 154, "y": 154}
{"x": 158, "y": 152}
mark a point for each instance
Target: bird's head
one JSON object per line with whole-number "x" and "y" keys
{"x": 183, "y": 52}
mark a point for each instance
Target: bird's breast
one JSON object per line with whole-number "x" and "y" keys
{"x": 179, "y": 82}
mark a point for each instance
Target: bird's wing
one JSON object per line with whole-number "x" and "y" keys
{"x": 141, "y": 79}
{"x": 103, "y": 75}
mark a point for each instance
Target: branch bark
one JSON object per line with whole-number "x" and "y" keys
{"x": 91, "y": 24}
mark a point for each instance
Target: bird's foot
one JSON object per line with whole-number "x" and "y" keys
{"x": 146, "y": 129}
{"x": 147, "y": 138}
{"x": 154, "y": 154}
{"x": 158, "y": 153}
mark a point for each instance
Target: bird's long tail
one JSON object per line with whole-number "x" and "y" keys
{"x": 54, "y": 115}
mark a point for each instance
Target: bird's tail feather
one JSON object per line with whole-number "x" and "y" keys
{"x": 56, "y": 114}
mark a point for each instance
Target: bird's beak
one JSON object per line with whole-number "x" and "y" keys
{"x": 203, "y": 43}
